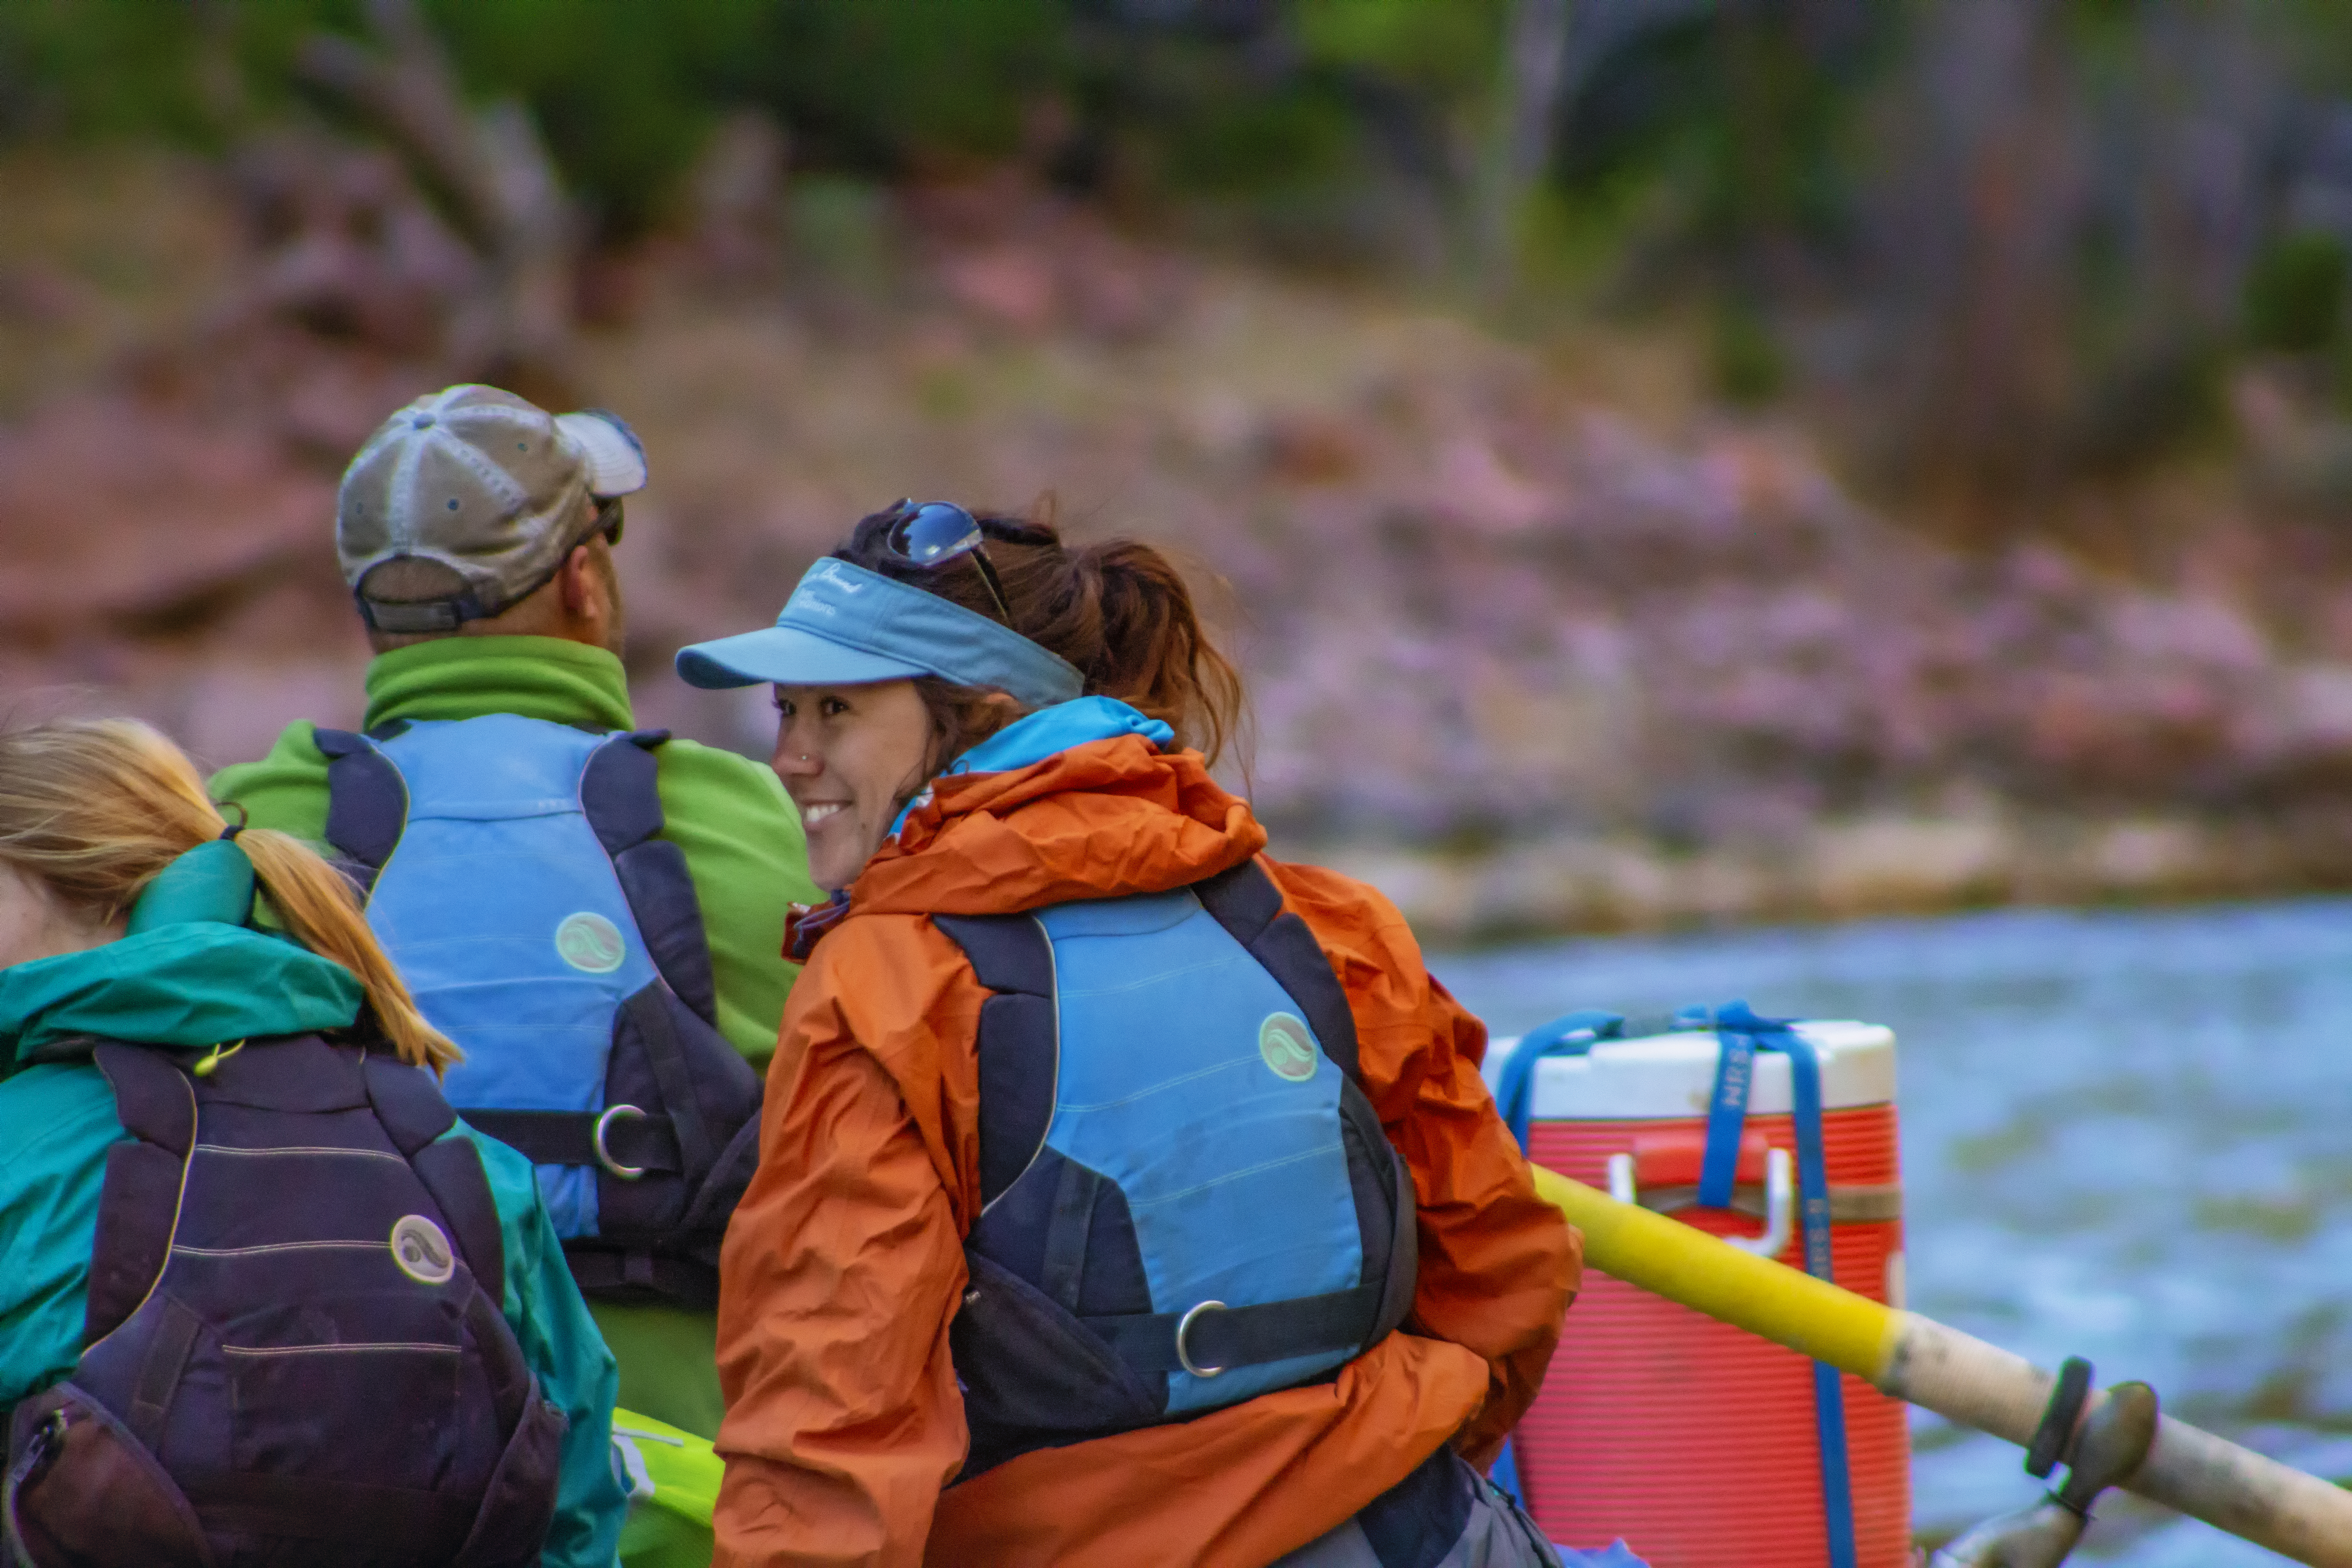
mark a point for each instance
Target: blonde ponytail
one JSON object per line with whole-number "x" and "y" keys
{"x": 95, "y": 809}
{"x": 319, "y": 906}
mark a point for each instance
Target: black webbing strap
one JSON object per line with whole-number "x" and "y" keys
{"x": 1062, "y": 1272}
{"x": 510, "y": 1378}
{"x": 159, "y": 1373}
{"x": 1222, "y": 1337}
{"x": 645, "y": 1142}
{"x": 723, "y": 1184}
{"x": 666, "y": 1056}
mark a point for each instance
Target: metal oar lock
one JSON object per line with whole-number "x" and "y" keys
{"x": 2111, "y": 1444}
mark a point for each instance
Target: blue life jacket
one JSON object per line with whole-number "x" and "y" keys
{"x": 1187, "y": 1200}
{"x": 295, "y": 1350}
{"x": 515, "y": 877}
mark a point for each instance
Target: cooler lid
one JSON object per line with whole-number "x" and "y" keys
{"x": 1661, "y": 1076}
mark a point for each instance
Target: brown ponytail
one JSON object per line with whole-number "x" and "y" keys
{"x": 96, "y": 808}
{"x": 1120, "y": 611}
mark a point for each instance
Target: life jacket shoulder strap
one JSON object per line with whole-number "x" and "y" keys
{"x": 1244, "y": 900}
{"x": 413, "y": 1113}
{"x": 1020, "y": 1043}
{"x": 152, "y": 1098}
{"x": 620, "y": 796}
{"x": 620, "y": 791}
{"x": 367, "y": 802}
{"x": 139, "y": 1203}
{"x": 1011, "y": 956}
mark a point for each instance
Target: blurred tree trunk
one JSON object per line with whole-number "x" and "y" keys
{"x": 2062, "y": 236}
{"x": 1527, "y": 118}
{"x": 492, "y": 175}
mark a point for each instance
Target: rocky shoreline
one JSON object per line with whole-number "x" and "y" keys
{"x": 1842, "y": 869}
{"x": 1530, "y": 647}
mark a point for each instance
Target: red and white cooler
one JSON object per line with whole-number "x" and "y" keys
{"x": 1693, "y": 1441}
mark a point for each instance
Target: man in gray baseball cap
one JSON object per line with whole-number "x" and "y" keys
{"x": 594, "y": 914}
{"x": 465, "y": 504}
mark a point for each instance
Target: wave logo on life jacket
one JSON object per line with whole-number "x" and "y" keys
{"x": 589, "y": 942}
{"x": 422, "y": 1250}
{"x": 1287, "y": 1047}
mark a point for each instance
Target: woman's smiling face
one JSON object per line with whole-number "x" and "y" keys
{"x": 850, "y": 756}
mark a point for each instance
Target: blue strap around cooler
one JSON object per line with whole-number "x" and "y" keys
{"x": 1572, "y": 1036}
{"x": 1742, "y": 1035}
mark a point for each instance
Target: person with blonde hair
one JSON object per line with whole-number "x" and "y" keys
{"x": 262, "y": 1297}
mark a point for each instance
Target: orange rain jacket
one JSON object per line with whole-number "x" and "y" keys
{"x": 844, "y": 1262}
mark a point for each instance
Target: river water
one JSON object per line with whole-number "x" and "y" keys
{"x": 2127, "y": 1135}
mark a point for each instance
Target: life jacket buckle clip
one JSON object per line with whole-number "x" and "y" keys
{"x": 1184, "y": 1326}
{"x": 604, "y": 1154}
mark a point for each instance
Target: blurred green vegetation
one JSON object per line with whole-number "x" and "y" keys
{"x": 2023, "y": 237}
{"x": 625, "y": 91}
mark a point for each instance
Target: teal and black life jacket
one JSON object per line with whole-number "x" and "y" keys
{"x": 516, "y": 877}
{"x": 295, "y": 1348}
{"x": 1187, "y": 1200}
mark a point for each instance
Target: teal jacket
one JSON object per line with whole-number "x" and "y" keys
{"x": 185, "y": 976}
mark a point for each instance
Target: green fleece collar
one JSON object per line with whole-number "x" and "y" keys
{"x": 468, "y": 677}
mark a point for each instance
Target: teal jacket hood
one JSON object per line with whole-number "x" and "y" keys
{"x": 189, "y": 973}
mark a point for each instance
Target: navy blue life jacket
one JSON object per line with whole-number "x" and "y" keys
{"x": 1187, "y": 1200}
{"x": 515, "y": 879}
{"x": 294, "y": 1352}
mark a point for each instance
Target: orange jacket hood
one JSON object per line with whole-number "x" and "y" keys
{"x": 1103, "y": 819}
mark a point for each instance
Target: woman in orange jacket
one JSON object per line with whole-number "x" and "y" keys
{"x": 1125, "y": 1195}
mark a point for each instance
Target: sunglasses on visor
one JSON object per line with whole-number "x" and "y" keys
{"x": 927, "y": 535}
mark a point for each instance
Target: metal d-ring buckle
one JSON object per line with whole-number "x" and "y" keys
{"x": 604, "y": 1155}
{"x": 1183, "y": 1327}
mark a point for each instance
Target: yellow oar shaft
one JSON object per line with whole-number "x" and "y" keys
{"x": 1958, "y": 1376}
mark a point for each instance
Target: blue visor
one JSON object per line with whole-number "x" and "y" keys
{"x": 844, "y": 625}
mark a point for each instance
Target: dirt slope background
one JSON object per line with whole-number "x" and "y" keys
{"x": 1536, "y": 636}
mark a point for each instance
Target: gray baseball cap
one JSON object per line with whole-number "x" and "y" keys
{"x": 483, "y": 484}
